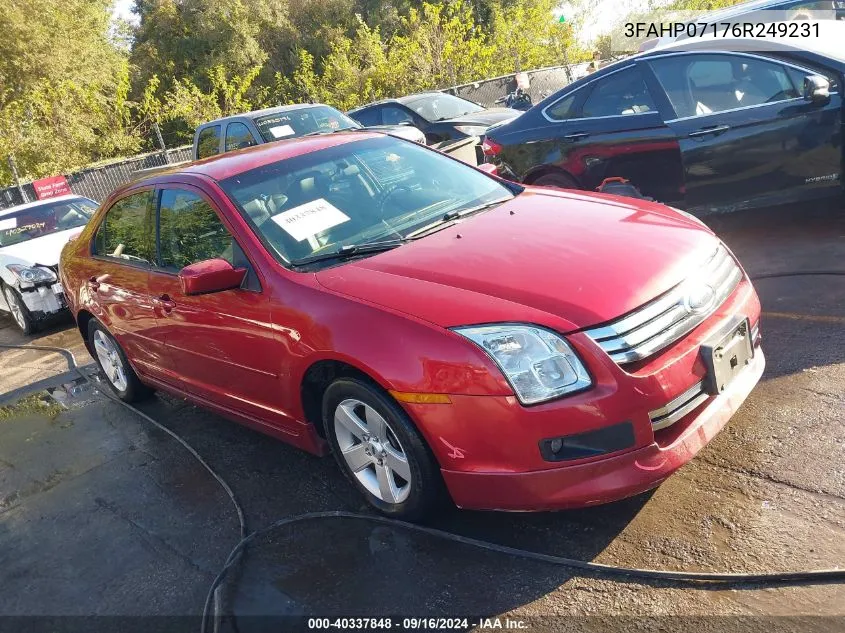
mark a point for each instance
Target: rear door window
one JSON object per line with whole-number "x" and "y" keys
{"x": 619, "y": 94}
{"x": 126, "y": 232}
{"x": 208, "y": 143}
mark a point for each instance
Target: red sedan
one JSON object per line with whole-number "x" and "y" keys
{"x": 437, "y": 328}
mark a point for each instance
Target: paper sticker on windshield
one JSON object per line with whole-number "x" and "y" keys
{"x": 280, "y": 131}
{"x": 310, "y": 218}
{"x": 8, "y": 223}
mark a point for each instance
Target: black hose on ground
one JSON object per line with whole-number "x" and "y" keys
{"x": 816, "y": 575}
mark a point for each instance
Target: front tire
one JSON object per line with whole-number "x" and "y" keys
{"x": 120, "y": 376}
{"x": 380, "y": 451}
{"x": 20, "y": 313}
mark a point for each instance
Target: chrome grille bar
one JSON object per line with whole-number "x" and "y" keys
{"x": 678, "y": 407}
{"x": 663, "y": 321}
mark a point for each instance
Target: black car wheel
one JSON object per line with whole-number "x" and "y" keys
{"x": 18, "y": 308}
{"x": 561, "y": 181}
{"x": 380, "y": 451}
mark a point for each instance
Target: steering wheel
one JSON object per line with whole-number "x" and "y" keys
{"x": 387, "y": 193}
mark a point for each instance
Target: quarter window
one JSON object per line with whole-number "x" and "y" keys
{"x": 622, "y": 93}
{"x": 208, "y": 143}
{"x": 126, "y": 231}
{"x": 706, "y": 84}
{"x": 190, "y": 231}
{"x": 238, "y": 136}
{"x": 563, "y": 109}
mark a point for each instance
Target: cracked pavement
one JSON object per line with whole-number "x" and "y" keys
{"x": 100, "y": 514}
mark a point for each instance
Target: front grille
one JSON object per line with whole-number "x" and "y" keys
{"x": 678, "y": 407}
{"x": 663, "y": 321}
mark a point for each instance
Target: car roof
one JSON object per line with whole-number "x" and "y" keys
{"x": 254, "y": 114}
{"x": 403, "y": 100}
{"x": 229, "y": 164}
{"x": 39, "y": 203}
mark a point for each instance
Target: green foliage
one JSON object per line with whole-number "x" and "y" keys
{"x": 64, "y": 86}
{"x": 75, "y": 87}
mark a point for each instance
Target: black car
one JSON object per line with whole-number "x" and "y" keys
{"x": 702, "y": 129}
{"x": 442, "y": 117}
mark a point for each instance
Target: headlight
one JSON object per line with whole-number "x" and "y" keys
{"x": 31, "y": 274}
{"x": 538, "y": 364}
{"x": 472, "y": 130}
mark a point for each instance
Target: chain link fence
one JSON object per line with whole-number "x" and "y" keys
{"x": 542, "y": 83}
{"x": 98, "y": 181}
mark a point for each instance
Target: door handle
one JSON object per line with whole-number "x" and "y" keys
{"x": 711, "y": 129}
{"x": 575, "y": 136}
{"x": 93, "y": 284}
{"x": 166, "y": 303}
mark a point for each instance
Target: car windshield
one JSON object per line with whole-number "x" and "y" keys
{"x": 361, "y": 192}
{"x": 440, "y": 107}
{"x": 307, "y": 120}
{"x": 40, "y": 220}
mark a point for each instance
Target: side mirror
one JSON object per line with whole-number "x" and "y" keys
{"x": 489, "y": 168}
{"x": 816, "y": 89}
{"x": 211, "y": 275}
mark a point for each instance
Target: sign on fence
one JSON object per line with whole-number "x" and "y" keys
{"x": 51, "y": 187}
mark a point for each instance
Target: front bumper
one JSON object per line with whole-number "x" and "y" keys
{"x": 44, "y": 300}
{"x": 608, "y": 479}
{"x": 489, "y": 447}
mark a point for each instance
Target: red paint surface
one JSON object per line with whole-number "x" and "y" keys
{"x": 563, "y": 260}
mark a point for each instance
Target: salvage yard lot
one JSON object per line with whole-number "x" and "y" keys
{"x": 102, "y": 514}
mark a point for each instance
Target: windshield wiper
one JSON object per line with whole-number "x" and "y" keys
{"x": 450, "y": 217}
{"x": 350, "y": 250}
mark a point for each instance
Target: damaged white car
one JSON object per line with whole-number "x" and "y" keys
{"x": 31, "y": 239}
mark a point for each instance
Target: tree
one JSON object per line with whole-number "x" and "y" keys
{"x": 64, "y": 86}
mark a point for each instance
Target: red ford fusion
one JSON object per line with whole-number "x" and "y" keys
{"x": 441, "y": 331}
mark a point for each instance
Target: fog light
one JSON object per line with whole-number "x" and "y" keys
{"x": 556, "y": 444}
{"x": 608, "y": 439}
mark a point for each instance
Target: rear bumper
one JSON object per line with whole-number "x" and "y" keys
{"x": 604, "y": 480}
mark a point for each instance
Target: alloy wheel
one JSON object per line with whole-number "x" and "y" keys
{"x": 15, "y": 307}
{"x": 110, "y": 360}
{"x": 372, "y": 451}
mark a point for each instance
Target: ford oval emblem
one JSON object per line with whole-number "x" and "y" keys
{"x": 699, "y": 298}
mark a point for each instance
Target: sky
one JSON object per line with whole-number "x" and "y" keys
{"x": 123, "y": 9}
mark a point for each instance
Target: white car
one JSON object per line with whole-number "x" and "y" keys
{"x": 31, "y": 239}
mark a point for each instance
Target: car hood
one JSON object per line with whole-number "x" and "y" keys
{"x": 408, "y": 132}
{"x": 484, "y": 117}
{"x": 560, "y": 259}
{"x": 42, "y": 250}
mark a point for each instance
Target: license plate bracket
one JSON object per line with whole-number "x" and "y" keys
{"x": 727, "y": 354}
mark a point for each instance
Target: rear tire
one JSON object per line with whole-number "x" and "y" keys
{"x": 120, "y": 376}
{"x": 557, "y": 180}
{"x": 20, "y": 313}
{"x": 380, "y": 451}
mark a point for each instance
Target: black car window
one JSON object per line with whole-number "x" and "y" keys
{"x": 238, "y": 136}
{"x": 208, "y": 143}
{"x": 705, "y": 84}
{"x": 563, "y": 109}
{"x": 126, "y": 230}
{"x": 621, "y": 93}
{"x": 190, "y": 231}
{"x": 370, "y": 116}
{"x": 393, "y": 115}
